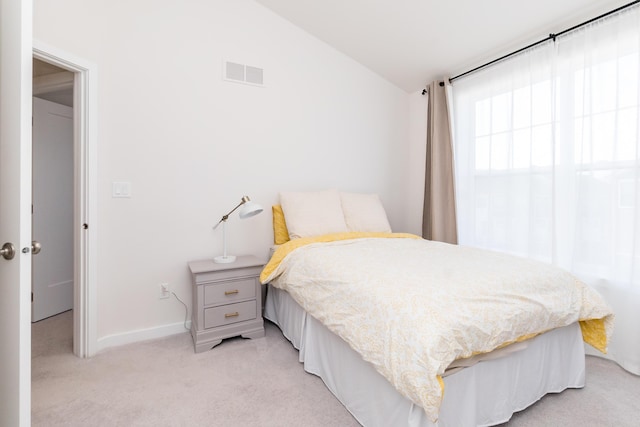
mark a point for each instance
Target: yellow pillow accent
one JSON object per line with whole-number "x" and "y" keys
{"x": 280, "y": 232}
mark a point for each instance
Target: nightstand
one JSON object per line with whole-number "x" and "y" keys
{"x": 227, "y": 301}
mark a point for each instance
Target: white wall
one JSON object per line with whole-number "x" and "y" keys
{"x": 192, "y": 144}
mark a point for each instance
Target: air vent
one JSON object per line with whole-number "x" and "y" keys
{"x": 241, "y": 73}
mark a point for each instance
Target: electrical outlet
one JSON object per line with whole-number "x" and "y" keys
{"x": 164, "y": 291}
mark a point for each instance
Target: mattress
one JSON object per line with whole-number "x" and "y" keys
{"x": 486, "y": 393}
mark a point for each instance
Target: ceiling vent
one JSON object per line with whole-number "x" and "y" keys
{"x": 241, "y": 73}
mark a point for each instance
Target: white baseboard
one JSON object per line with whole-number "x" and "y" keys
{"x": 142, "y": 335}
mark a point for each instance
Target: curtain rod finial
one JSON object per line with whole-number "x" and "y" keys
{"x": 424, "y": 91}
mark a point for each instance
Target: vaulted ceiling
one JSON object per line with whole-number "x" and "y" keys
{"x": 412, "y": 42}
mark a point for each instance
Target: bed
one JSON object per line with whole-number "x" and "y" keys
{"x": 405, "y": 331}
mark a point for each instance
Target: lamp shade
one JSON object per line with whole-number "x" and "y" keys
{"x": 249, "y": 209}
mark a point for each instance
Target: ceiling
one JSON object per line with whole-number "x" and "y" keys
{"x": 413, "y": 42}
{"x": 59, "y": 89}
{"x": 41, "y": 68}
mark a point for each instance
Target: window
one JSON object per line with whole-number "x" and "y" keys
{"x": 547, "y": 154}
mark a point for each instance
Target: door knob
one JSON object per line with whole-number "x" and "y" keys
{"x": 36, "y": 247}
{"x": 8, "y": 251}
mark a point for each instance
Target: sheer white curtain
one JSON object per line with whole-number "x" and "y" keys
{"x": 547, "y": 158}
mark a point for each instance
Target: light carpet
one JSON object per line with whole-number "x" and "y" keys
{"x": 248, "y": 383}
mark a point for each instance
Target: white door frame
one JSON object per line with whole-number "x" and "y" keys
{"x": 85, "y": 194}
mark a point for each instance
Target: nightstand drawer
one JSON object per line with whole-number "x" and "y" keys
{"x": 229, "y": 292}
{"x": 231, "y": 313}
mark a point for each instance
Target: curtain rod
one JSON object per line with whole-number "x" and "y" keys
{"x": 550, "y": 37}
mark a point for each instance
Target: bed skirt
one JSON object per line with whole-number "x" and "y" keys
{"x": 487, "y": 393}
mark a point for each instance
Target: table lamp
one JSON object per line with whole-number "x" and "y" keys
{"x": 248, "y": 210}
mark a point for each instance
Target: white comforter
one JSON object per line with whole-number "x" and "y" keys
{"x": 411, "y": 307}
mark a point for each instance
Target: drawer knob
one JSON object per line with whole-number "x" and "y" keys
{"x": 231, "y": 292}
{"x": 234, "y": 314}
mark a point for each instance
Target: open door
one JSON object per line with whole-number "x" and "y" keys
{"x": 15, "y": 212}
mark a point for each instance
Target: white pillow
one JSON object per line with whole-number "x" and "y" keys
{"x": 312, "y": 213}
{"x": 364, "y": 212}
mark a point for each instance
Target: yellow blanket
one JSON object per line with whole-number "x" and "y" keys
{"x": 410, "y": 306}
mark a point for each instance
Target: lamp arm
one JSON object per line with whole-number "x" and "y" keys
{"x": 224, "y": 218}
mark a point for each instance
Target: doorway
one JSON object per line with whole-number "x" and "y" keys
{"x": 84, "y": 194}
{"x": 52, "y": 191}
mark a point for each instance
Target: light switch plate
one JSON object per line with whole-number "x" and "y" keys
{"x": 121, "y": 189}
